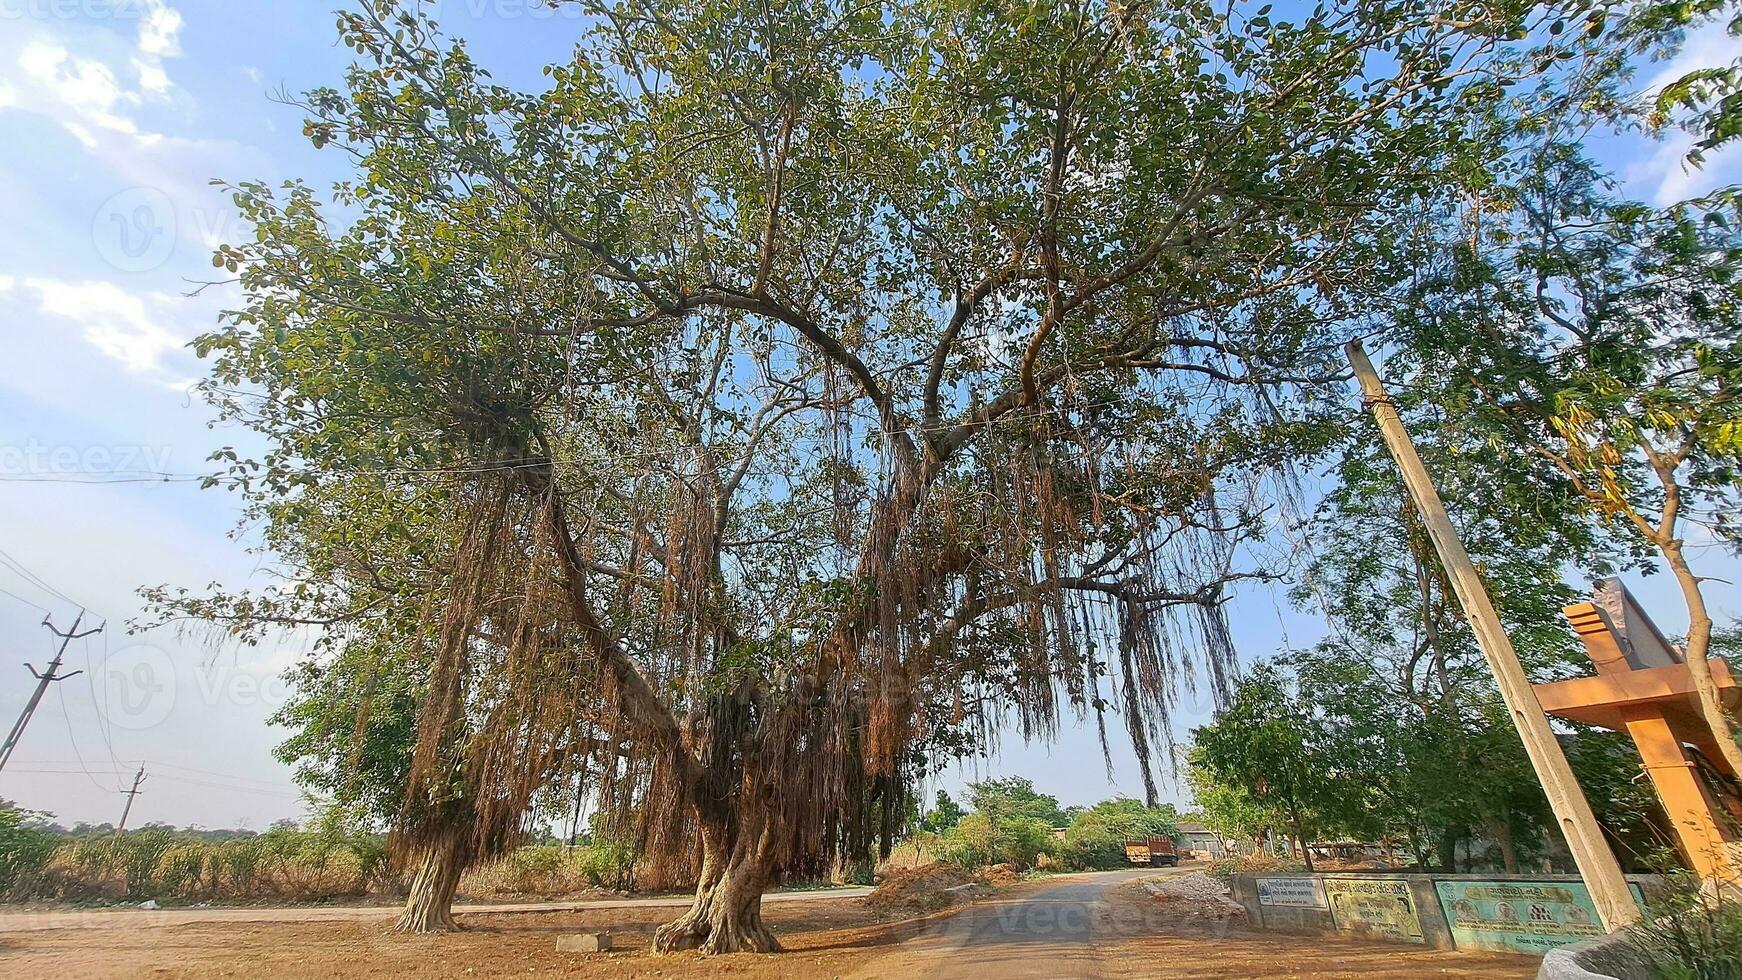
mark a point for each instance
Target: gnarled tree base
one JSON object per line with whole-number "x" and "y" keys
{"x": 726, "y": 918}
{"x": 429, "y": 907}
{"x": 417, "y": 918}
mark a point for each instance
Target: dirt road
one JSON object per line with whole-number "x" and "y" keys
{"x": 1047, "y": 933}
{"x": 1103, "y": 927}
{"x": 110, "y": 918}
{"x": 1098, "y": 926}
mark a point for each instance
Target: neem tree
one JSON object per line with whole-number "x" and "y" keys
{"x": 800, "y": 387}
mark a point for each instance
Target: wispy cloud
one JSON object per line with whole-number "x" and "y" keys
{"x": 132, "y": 328}
{"x": 51, "y": 75}
{"x": 1665, "y": 176}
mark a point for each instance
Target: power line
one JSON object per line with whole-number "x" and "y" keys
{"x": 105, "y": 725}
{"x": 158, "y": 765}
{"x": 40, "y": 769}
{"x": 32, "y": 577}
{"x": 7, "y": 561}
{"x": 41, "y": 609}
{"x": 73, "y": 743}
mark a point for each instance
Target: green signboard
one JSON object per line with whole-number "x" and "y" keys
{"x": 1520, "y": 916}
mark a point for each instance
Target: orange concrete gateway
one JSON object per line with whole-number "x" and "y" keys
{"x": 1644, "y": 688}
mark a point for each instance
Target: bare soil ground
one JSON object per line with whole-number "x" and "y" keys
{"x": 827, "y": 939}
{"x": 821, "y": 939}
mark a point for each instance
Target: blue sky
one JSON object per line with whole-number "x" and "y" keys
{"x": 114, "y": 116}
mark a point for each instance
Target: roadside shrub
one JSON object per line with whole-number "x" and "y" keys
{"x": 24, "y": 854}
{"x": 1690, "y": 935}
{"x": 978, "y": 840}
{"x": 182, "y": 869}
{"x": 1093, "y": 847}
{"x": 538, "y": 866}
{"x": 1095, "y": 839}
{"x": 160, "y": 863}
{"x": 137, "y": 855}
{"x": 860, "y": 872}
{"x": 609, "y": 864}
{"x": 284, "y": 864}
{"x": 553, "y": 869}
{"x": 1249, "y": 864}
{"x": 237, "y": 865}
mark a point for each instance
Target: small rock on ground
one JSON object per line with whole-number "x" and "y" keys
{"x": 584, "y": 942}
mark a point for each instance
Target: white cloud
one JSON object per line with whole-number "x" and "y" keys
{"x": 1710, "y": 44}
{"x": 159, "y": 31}
{"x": 1665, "y": 176}
{"x": 75, "y": 83}
{"x": 125, "y": 326}
{"x": 1668, "y": 178}
{"x": 152, "y": 77}
{"x": 104, "y": 85}
{"x": 84, "y": 88}
{"x": 159, "y": 38}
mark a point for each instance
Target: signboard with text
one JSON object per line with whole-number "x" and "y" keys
{"x": 1520, "y": 916}
{"x": 1294, "y": 893}
{"x": 1375, "y": 907}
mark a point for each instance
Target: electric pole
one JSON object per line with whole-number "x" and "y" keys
{"x": 1591, "y": 853}
{"x": 138, "y": 778}
{"x": 43, "y": 679}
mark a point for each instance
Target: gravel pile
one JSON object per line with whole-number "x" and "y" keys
{"x": 1198, "y": 893}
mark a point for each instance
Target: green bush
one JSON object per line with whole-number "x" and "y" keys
{"x": 1095, "y": 839}
{"x": 182, "y": 869}
{"x": 137, "y": 855}
{"x": 161, "y": 863}
{"x": 1091, "y": 847}
{"x": 978, "y": 840}
{"x": 862, "y": 871}
{"x": 609, "y": 864}
{"x": 1693, "y": 936}
{"x": 237, "y": 864}
{"x": 24, "y": 854}
{"x": 283, "y": 864}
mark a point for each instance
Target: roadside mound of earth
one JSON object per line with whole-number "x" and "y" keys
{"x": 997, "y": 875}
{"x": 928, "y": 888}
{"x": 1196, "y": 894}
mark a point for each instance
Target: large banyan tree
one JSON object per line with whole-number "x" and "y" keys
{"x": 787, "y": 395}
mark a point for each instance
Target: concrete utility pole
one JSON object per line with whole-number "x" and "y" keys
{"x": 43, "y": 680}
{"x": 138, "y": 778}
{"x": 1596, "y": 862}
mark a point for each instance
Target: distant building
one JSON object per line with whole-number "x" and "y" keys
{"x": 1202, "y": 841}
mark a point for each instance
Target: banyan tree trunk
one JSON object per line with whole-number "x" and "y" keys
{"x": 430, "y": 905}
{"x": 726, "y": 916}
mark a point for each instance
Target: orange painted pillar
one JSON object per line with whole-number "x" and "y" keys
{"x": 1685, "y": 798}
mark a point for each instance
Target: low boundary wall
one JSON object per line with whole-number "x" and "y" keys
{"x": 1504, "y": 913}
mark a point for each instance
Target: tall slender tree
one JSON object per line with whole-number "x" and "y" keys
{"x": 1599, "y": 338}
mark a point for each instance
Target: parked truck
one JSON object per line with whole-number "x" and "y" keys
{"x": 1157, "y": 852}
